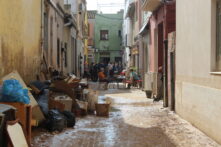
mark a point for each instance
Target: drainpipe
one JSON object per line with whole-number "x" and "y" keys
{"x": 165, "y": 98}
{"x": 42, "y": 31}
{"x": 42, "y": 36}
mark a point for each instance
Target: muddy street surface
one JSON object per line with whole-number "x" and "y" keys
{"x": 134, "y": 121}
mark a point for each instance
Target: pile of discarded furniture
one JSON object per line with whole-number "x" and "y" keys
{"x": 52, "y": 103}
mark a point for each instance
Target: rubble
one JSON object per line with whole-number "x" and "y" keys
{"x": 55, "y": 102}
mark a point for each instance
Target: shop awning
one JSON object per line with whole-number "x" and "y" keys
{"x": 144, "y": 28}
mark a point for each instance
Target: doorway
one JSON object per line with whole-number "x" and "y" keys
{"x": 105, "y": 60}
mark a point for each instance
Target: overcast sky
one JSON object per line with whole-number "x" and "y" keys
{"x": 106, "y": 6}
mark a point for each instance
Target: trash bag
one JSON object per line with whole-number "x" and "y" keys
{"x": 42, "y": 100}
{"x": 69, "y": 116}
{"x": 12, "y": 91}
{"x": 55, "y": 121}
{"x": 40, "y": 85}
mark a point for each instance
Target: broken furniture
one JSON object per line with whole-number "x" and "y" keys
{"x": 83, "y": 107}
{"x": 7, "y": 113}
{"x": 83, "y": 83}
{"x": 24, "y": 114}
{"x": 36, "y": 111}
{"x": 78, "y": 93}
{"x": 66, "y": 88}
{"x": 16, "y": 135}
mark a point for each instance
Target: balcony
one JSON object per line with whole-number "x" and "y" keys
{"x": 150, "y": 5}
{"x": 130, "y": 10}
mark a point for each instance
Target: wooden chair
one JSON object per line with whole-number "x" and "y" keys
{"x": 16, "y": 135}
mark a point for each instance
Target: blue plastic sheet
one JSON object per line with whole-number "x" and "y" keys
{"x": 12, "y": 91}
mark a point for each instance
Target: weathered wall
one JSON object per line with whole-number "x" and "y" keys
{"x": 198, "y": 91}
{"x": 112, "y": 23}
{"x": 155, "y": 20}
{"x": 55, "y": 32}
{"x": 20, "y": 35}
{"x": 164, "y": 15}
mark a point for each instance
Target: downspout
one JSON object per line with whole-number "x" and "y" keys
{"x": 42, "y": 36}
{"x": 42, "y": 33}
{"x": 165, "y": 98}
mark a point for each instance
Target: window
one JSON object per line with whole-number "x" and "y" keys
{"x": 104, "y": 35}
{"x": 218, "y": 37}
{"x": 89, "y": 33}
{"x": 51, "y": 40}
{"x": 119, "y": 33}
{"x": 58, "y": 52}
{"x": 46, "y": 32}
{"x": 65, "y": 55}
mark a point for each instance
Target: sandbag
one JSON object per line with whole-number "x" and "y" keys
{"x": 70, "y": 118}
{"x": 92, "y": 100}
{"x": 55, "y": 121}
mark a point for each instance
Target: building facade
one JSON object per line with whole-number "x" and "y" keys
{"x": 198, "y": 88}
{"x": 160, "y": 24}
{"x": 127, "y": 31}
{"x": 91, "y": 35}
{"x": 108, "y": 37}
{"x": 53, "y": 22}
{"x": 70, "y": 34}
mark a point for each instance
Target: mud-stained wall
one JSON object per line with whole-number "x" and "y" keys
{"x": 20, "y": 37}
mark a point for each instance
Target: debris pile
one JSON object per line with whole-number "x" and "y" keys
{"x": 51, "y": 101}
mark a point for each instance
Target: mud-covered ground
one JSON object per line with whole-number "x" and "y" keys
{"x": 134, "y": 121}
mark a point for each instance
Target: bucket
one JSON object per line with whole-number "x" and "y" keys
{"x": 102, "y": 109}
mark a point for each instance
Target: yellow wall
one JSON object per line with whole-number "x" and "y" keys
{"x": 20, "y": 35}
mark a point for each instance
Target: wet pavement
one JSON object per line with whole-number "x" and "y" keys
{"x": 134, "y": 121}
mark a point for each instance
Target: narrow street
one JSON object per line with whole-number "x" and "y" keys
{"x": 110, "y": 73}
{"x": 134, "y": 121}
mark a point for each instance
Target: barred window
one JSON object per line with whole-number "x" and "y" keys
{"x": 104, "y": 35}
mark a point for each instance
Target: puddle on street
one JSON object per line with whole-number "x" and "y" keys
{"x": 133, "y": 122}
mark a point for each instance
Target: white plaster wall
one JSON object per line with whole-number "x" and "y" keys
{"x": 193, "y": 37}
{"x": 198, "y": 92}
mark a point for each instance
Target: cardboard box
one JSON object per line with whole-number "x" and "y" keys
{"x": 66, "y": 100}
